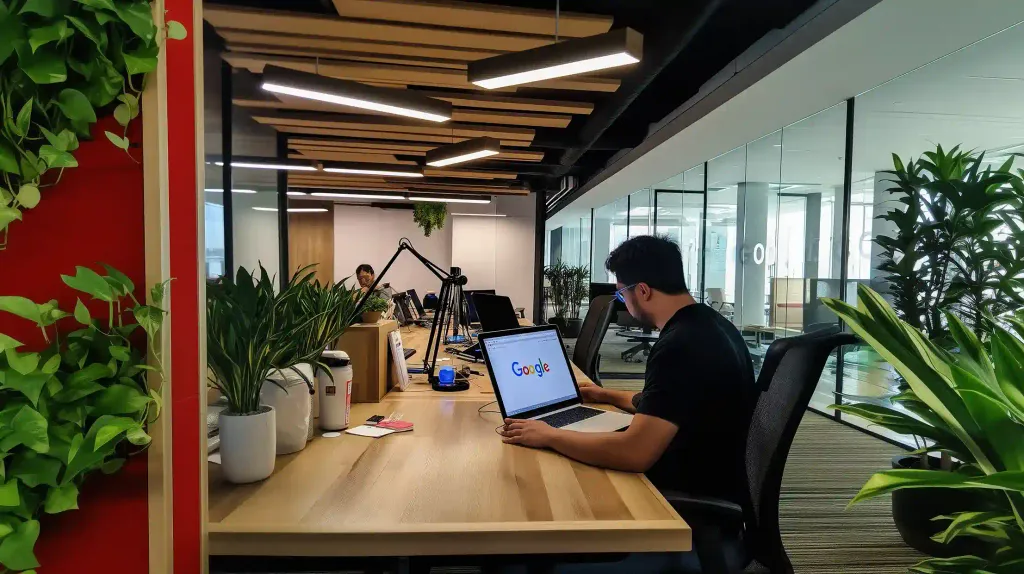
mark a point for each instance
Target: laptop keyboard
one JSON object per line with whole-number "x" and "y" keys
{"x": 566, "y": 418}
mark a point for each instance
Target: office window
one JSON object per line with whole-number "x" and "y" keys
{"x": 641, "y": 213}
{"x": 679, "y": 215}
{"x": 724, "y": 174}
{"x": 610, "y": 229}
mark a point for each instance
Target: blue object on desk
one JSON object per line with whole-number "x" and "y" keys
{"x": 456, "y": 339}
{"x": 446, "y": 376}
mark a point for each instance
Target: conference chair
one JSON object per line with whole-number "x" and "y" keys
{"x": 728, "y": 538}
{"x": 587, "y": 353}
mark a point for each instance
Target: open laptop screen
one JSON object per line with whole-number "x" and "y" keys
{"x": 530, "y": 370}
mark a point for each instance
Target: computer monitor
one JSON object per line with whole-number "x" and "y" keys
{"x": 403, "y": 309}
{"x": 416, "y": 301}
{"x": 530, "y": 370}
{"x": 473, "y": 317}
{"x": 495, "y": 311}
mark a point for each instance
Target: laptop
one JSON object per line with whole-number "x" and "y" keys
{"x": 473, "y": 316}
{"x": 533, "y": 379}
{"x": 495, "y": 313}
{"x": 416, "y": 301}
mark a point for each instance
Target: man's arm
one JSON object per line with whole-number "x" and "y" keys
{"x": 634, "y": 450}
{"x": 622, "y": 399}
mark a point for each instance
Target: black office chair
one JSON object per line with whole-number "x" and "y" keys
{"x": 726, "y": 535}
{"x": 587, "y": 353}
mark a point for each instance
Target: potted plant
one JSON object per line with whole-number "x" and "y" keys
{"x": 969, "y": 404}
{"x": 314, "y": 316}
{"x": 429, "y": 216}
{"x": 244, "y": 343}
{"x": 374, "y": 308}
{"x": 568, "y": 289}
{"x": 76, "y": 407}
{"x": 946, "y": 257}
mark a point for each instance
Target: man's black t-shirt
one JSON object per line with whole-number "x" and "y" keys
{"x": 700, "y": 378}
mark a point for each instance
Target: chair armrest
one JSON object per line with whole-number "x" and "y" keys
{"x": 704, "y": 509}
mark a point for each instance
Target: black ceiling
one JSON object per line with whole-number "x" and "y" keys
{"x": 731, "y": 26}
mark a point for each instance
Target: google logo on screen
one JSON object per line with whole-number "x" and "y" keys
{"x": 538, "y": 369}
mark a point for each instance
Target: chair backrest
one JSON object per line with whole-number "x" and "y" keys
{"x": 588, "y": 345}
{"x": 789, "y": 375}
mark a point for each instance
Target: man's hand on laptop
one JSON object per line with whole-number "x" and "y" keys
{"x": 591, "y": 393}
{"x": 531, "y": 433}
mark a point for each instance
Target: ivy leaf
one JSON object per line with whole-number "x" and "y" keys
{"x": 33, "y": 469}
{"x": 24, "y": 119}
{"x": 7, "y": 215}
{"x": 176, "y": 30}
{"x": 111, "y": 466}
{"x": 139, "y": 63}
{"x": 126, "y": 285}
{"x": 55, "y": 32}
{"x": 8, "y": 343}
{"x": 28, "y": 196}
{"x": 61, "y": 498}
{"x": 30, "y": 429}
{"x": 138, "y": 17}
{"x": 90, "y": 282}
{"x": 90, "y": 30}
{"x": 16, "y": 549}
{"x": 120, "y": 400}
{"x": 82, "y": 313}
{"x": 20, "y": 306}
{"x": 122, "y": 114}
{"x": 11, "y": 31}
{"x": 31, "y": 166}
{"x": 138, "y": 436}
{"x": 51, "y": 365}
{"x": 59, "y": 142}
{"x": 8, "y": 158}
{"x": 132, "y": 102}
{"x": 45, "y": 66}
{"x": 75, "y": 105}
{"x": 103, "y": 4}
{"x": 120, "y": 353}
{"x": 111, "y": 428}
{"x": 158, "y": 404}
{"x": 31, "y": 385}
{"x": 48, "y": 8}
{"x": 9, "y": 493}
{"x": 22, "y": 363}
{"x": 117, "y": 140}
{"x": 55, "y": 158}
{"x": 149, "y": 318}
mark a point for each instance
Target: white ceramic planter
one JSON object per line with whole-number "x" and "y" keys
{"x": 247, "y": 446}
{"x": 293, "y": 407}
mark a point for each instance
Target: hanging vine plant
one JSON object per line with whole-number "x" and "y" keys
{"x": 62, "y": 64}
{"x": 429, "y": 216}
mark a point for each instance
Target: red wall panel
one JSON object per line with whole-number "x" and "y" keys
{"x": 94, "y": 215}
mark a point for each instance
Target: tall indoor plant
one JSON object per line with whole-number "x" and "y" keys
{"x": 969, "y": 404}
{"x": 568, "y": 289}
{"x": 76, "y": 406}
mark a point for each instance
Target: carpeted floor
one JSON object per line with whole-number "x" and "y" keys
{"x": 827, "y": 465}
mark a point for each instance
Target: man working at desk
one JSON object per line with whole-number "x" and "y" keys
{"x": 689, "y": 432}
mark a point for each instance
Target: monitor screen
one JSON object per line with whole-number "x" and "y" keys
{"x": 530, "y": 370}
{"x": 473, "y": 318}
{"x": 495, "y": 312}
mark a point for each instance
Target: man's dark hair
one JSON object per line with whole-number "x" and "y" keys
{"x": 364, "y": 267}
{"x": 655, "y": 261}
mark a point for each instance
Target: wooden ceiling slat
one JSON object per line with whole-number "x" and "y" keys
{"x": 461, "y": 173}
{"x": 302, "y": 41}
{"x": 351, "y": 56}
{"x": 497, "y": 102}
{"x": 411, "y": 75}
{"x": 349, "y": 156}
{"x": 475, "y": 16}
{"x": 369, "y": 134}
{"x": 388, "y": 124}
{"x": 400, "y": 148}
{"x": 499, "y": 117}
{"x": 331, "y": 27}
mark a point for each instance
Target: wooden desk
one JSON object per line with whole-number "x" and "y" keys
{"x": 450, "y": 487}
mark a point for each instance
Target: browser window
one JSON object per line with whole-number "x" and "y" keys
{"x": 530, "y": 370}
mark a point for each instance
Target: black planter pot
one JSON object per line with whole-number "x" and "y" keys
{"x": 569, "y": 328}
{"x": 914, "y": 508}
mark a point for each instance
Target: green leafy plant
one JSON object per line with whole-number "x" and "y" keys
{"x": 969, "y": 405}
{"x": 315, "y": 315}
{"x": 429, "y": 216}
{"x": 62, "y": 64}
{"x": 569, "y": 285}
{"x": 70, "y": 409}
{"x": 959, "y": 241}
{"x": 375, "y": 304}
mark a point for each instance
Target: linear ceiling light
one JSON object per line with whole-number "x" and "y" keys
{"x": 462, "y": 152}
{"x": 297, "y": 193}
{"x": 268, "y": 163}
{"x": 358, "y": 196}
{"x": 348, "y": 93}
{"x": 373, "y": 169}
{"x": 208, "y": 190}
{"x": 479, "y": 214}
{"x": 609, "y": 50}
{"x": 295, "y": 209}
{"x": 448, "y": 199}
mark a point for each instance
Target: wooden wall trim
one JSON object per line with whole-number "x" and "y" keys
{"x": 158, "y": 269}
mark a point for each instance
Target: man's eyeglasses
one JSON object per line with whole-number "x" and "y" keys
{"x": 620, "y": 294}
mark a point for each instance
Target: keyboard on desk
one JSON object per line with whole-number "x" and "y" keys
{"x": 566, "y": 418}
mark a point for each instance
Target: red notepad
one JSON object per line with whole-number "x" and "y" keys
{"x": 397, "y": 426}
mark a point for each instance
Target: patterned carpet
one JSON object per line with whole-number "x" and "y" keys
{"x": 827, "y": 465}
